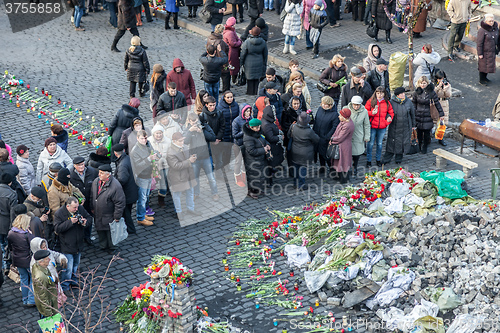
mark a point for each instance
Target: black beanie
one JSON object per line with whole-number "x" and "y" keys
{"x": 63, "y": 176}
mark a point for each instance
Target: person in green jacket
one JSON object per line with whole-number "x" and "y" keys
{"x": 44, "y": 285}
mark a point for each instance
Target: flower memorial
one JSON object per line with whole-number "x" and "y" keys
{"x": 161, "y": 303}
{"x": 356, "y": 235}
{"x": 53, "y": 111}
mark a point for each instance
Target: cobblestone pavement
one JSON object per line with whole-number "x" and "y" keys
{"x": 80, "y": 69}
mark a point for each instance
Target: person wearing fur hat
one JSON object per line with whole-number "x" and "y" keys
{"x": 137, "y": 67}
{"x": 291, "y": 24}
{"x": 160, "y": 143}
{"x": 61, "y": 189}
{"x": 122, "y": 119}
{"x": 158, "y": 86}
{"x": 50, "y": 154}
{"x": 362, "y": 130}
{"x": 304, "y": 142}
{"x": 257, "y": 155}
{"x": 239, "y": 147}
{"x": 234, "y": 42}
{"x": 184, "y": 80}
{"x": 343, "y": 138}
{"x": 254, "y": 60}
{"x": 400, "y": 129}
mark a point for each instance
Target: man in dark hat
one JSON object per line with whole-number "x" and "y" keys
{"x": 8, "y": 198}
{"x": 108, "y": 203}
{"x": 379, "y": 76}
{"x": 36, "y": 204}
{"x": 356, "y": 86}
{"x": 51, "y": 175}
{"x": 271, "y": 76}
{"x": 82, "y": 177}
{"x": 125, "y": 175}
{"x": 44, "y": 286}
{"x": 271, "y": 91}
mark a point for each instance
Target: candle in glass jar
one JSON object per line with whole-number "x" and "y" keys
{"x": 238, "y": 287}
{"x": 257, "y": 305}
{"x": 232, "y": 275}
{"x": 237, "y": 242}
{"x": 224, "y": 261}
{"x": 296, "y": 286}
{"x": 226, "y": 267}
{"x": 282, "y": 253}
{"x": 275, "y": 322}
{"x": 237, "y": 279}
{"x": 292, "y": 273}
{"x": 317, "y": 302}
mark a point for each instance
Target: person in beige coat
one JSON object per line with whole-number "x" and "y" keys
{"x": 443, "y": 91}
{"x": 60, "y": 190}
{"x": 459, "y": 12}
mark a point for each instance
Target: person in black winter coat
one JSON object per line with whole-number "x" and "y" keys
{"x": 8, "y": 199}
{"x": 379, "y": 76}
{"x": 290, "y": 115}
{"x": 71, "y": 232}
{"x": 126, "y": 21}
{"x": 270, "y": 91}
{"x": 253, "y": 58}
{"x": 304, "y": 141}
{"x": 215, "y": 119}
{"x": 294, "y": 91}
{"x": 122, "y": 119}
{"x": 239, "y": 148}
{"x": 129, "y": 136}
{"x": 13, "y": 170}
{"x": 125, "y": 175}
{"x": 230, "y": 110}
{"x": 422, "y": 98}
{"x": 136, "y": 64}
{"x": 255, "y": 10}
{"x": 257, "y": 151}
{"x": 171, "y": 100}
{"x": 274, "y": 136}
{"x": 98, "y": 158}
{"x": 356, "y": 86}
{"x": 212, "y": 68}
{"x": 327, "y": 120}
{"x": 382, "y": 22}
{"x": 271, "y": 76}
{"x": 158, "y": 80}
{"x": 82, "y": 177}
{"x": 216, "y": 9}
{"x": 336, "y": 71}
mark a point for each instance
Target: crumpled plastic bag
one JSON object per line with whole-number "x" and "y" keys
{"x": 465, "y": 323}
{"x": 379, "y": 271}
{"x": 430, "y": 324}
{"x": 316, "y": 279}
{"x": 392, "y": 316}
{"x": 353, "y": 240}
{"x": 445, "y": 298}
{"x": 297, "y": 255}
{"x": 371, "y": 258}
{"x": 376, "y": 205}
{"x": 399, "y": 190}
{"x": 349, "y": 273}
{"x": 392, "y": 205}
{"x": 412, "y": 200}
{"x": 398, "y": 281}
{"x": 449, "y": 183}
{"x": 396, "y": 319}
{"x": 397, "y": 67}
{"x": 365, "y": 220}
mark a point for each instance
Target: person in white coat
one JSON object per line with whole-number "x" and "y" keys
{"x": 26, "y": 176}
{"x": 291, "y": 24}
{"x": 50, "y": 154}
{"x": 425, "y": 61}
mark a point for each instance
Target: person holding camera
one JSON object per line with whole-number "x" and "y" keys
{"x": 443, "y": 91}
{"x": 69, "y": 222}
{"x": 181, "y": 175}
{"x": 108, "y": 203}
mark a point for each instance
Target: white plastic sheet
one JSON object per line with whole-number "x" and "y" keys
{"x": 353, "y": 240}
{"x": 316, "y": 279}
{"x": 397, "y": 283}
{"x": 465, "y": 323}
{"x": 392, "y": 205}
{"x": 412, "y": 200}
{"x": 297, "y": 255}
{"x": 365, "y": 220}
{"x": 376, "y": 205}
{"x": 371, "y": 258}
{"x": 399, "y": 190}
{"x": 396, "y": 319}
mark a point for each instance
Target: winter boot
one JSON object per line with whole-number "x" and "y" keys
{"x": 161, "y": 201}
{"x": 424, "y": 149}
{"x": 286, "y": 48}
{"x": 167, "y": 19}
{"x": 190, "y": 11}
{"x": 292, "y": 51}
{"x": 176, "y": 16}
{"x": 113, "y": 47}
{"x": 388, "y": 36}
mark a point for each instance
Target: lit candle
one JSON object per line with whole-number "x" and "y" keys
{"x": 226, "y": 267}
{"x": 237, "y": 279}
{"x": 317, "y": 302}
{"x": 275, "y": 322}
{"x": 344, "y": 320}
{"x": 296, "y": 286}
{"x": 292, "y": 273}
{"x": 257, "y": 305}
{"x": 224, "y": 261}
{"x": 232, "y": 275}
{"x": 237, "y": 242}
{"x": 282, "y": 253}
{"x": 238, "y": 286}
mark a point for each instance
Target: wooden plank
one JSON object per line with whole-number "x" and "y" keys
{"x": 455, "y": 158}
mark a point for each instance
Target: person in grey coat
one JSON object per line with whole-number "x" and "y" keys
{"x": 8, "y": 199}
{"x": 108, "y": 203}
{"x": 26, "y": 176}
{"x": 400, "y": 129}
{"x": 304, "y": 141}
{"x": 137, "y": 66}
{"x": 253, "y": 58}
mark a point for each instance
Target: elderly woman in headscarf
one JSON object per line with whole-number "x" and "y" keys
{"x": 343, "y": 138}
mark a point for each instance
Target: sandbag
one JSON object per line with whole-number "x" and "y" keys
{"x": 397, "y": 67}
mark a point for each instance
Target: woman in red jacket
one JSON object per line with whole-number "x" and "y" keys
{"x": 381, "y": 114}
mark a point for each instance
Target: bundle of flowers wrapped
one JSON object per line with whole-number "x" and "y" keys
{"x": 148, "y": 305}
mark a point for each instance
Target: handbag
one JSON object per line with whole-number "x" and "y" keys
{"x": 322, "y": 87}
{"x": 205, "y": 15}
{"x": 371, "y": 30}
{"x": 414, "y": 143}
{"x": 332, "y": 152}
{"x": 434, "y": 111}
{"x": 283, "y": 15}
{"x": 118, "y": 231}
{"x": 242, "y": 79}
{"x": 180, "y": 3}
{"x": 14, "y": 274}
{"x": 109, "y": 144}
{"x": 348, "y": 7}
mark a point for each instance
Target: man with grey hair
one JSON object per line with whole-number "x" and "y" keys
{"x": 356, "y": 86}
{"x": 44, "y": 285}
{"x": 108, "y": 203}
{"x": 459, "y": 12}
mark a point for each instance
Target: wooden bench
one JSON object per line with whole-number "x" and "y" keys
{"x": 443, "y": 155}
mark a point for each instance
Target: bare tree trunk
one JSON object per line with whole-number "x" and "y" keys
{"x": 410, "y": 57}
